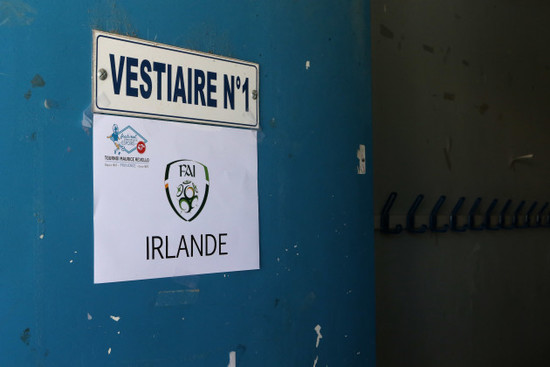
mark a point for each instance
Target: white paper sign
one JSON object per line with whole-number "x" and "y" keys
{"x": 135, "y": 77}
{"x": 172, "y": 199}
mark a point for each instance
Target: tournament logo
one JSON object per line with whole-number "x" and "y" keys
{"x": 187, "y": 183}
{"x": 127, "y": 140}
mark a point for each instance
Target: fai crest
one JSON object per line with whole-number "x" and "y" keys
{"x": 186, "y": 183}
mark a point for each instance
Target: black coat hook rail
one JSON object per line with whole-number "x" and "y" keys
{"x": 506, "y": 221}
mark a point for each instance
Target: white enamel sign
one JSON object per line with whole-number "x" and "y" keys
{"x": 139, "y": 78}
{"x": 172, "y": 199}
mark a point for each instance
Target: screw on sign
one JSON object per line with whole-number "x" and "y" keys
{"x": 141, "y": 147}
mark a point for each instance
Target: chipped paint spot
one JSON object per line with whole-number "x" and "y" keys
{"x": 232, "y": 359}
{"x": 27, "y": 95}
{"x": 109, "y": 351}
{"x": 319, "y": 336}
{"x": 521, "y": 158}
{"x": 71, "y": 261}
{"x": 115, "y": 318}
{"x": 118, "y": 332}
{"x": 361, "y": 156}
{"x": 308, "y": 65}
{"x": 89, "y": 316}
{"x": 315, "y": 361}
{"x": 38, "y": 81}
{"x": 41, "y": 236}
{"x": 49, "y": 104}
{"x": 26, "y": 336}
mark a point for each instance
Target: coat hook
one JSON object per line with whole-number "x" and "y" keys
{"x": 515, "y": 220}
{"x": 410, "y": 217}
{"x": 527, "y": 219}
{"x": 502, "y": 216}
{"x": 538, "y": 217}
{"x": 433, "y": 216}
{"x": 488, "y": 213}
{"x": 471, "y": 217}
{"x": 385, "y": 217}
{"x": 453, "y": 217}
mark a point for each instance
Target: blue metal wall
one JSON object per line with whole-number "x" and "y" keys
{"x": 315, "y": 211}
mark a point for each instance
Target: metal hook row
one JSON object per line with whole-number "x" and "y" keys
{"x": 540, "y": 220}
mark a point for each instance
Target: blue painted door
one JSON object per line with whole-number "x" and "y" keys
{"x": 312, "y": 302}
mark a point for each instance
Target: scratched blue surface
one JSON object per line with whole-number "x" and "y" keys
{"x": 315, "y": 211}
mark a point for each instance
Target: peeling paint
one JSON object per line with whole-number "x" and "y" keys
{"x": 232, "y": 359}
{"x": 319, "y": 336}
{"x": 315, "y": 361}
